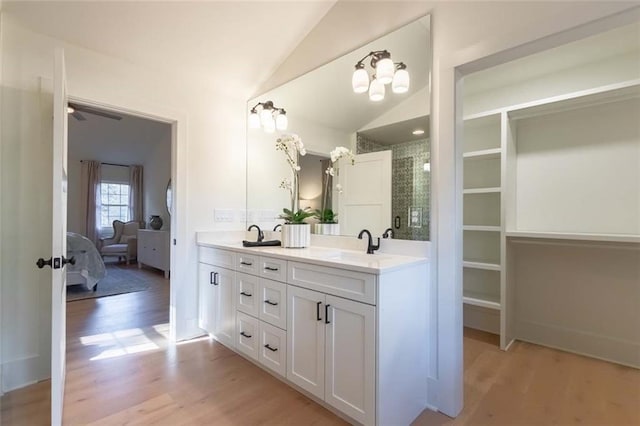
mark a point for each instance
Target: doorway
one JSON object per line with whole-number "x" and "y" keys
{"x": 119, "y": 223}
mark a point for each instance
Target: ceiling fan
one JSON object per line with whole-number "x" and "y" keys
{"x": 75, "y": 109}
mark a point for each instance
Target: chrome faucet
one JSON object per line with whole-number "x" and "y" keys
{"x": 388, "y": 233}
{"x": 370, "y": 247}
{"x": 260, "y": 233}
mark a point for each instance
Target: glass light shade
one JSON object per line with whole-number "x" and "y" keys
{"x": 254, "y": 120}
{"x": 385, "y": 70}
{"x": 281, "y": 121}
{"x": 269, "y": 125}
{"x": 360, "y": 80}
{"x": 400, "y": 82}
{"x": 376, "y": 90}
{"x": 265, "y": 116}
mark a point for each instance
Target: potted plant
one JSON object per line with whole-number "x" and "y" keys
{"x": 295, "y": 232}
{"x": 327, "y": 218}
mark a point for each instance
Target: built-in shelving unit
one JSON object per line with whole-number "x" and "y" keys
{"x": 543, "y": 181}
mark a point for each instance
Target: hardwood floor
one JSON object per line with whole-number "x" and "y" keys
{"x": 120, "y": 370}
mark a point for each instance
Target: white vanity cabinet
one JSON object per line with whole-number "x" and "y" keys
{"x": 352, "y": 334}
{"x": 216, "y": 298}
{"x": 332, "y": 350}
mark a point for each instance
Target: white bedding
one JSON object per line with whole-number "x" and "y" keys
{"x": 89, "y": 268}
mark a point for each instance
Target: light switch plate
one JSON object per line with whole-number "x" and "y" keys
{"x": 223, "y": 215}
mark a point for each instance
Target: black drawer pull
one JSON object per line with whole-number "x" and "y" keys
{"x": 242, "y": 293}
{"x": 326, "y": 314}
{"x": 269, "y": 302}
{"x": 270, "y": 348}
{"x": 269, "y": 268}
{"x": 246, "y": 263}
{"x": 243, "y": 334}
{"x": 213, "y": 278}
{"x": 318, "y": 311}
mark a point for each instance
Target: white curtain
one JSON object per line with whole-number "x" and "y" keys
{"x": 91, "y": 177}
{"x": 135, "y": 194}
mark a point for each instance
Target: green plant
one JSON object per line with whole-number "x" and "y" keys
{"x": 325, "y": 215}
{"x": 296, "y": 218}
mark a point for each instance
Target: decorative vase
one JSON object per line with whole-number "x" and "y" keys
{"x": 327, "y": 228}
{"x": 155, "y": 222}
{"x": 296, "y": 235}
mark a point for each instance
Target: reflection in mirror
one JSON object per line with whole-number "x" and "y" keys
{"x": 388, "y": 183}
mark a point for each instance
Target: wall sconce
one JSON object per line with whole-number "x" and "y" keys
{"x": 386, "y": 71}
{"x": 268, "y": 116}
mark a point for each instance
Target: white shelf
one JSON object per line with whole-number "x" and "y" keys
{"x": 487, "y": 228}
{"x": 481, "y": 265}
{"x": 477, "y": 299}
{"x": 482, "y": 190}
{"x": 483, "y": 154}
{"x": 618, "y": 238}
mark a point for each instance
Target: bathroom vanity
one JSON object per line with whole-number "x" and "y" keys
{"x": 346, "y": 328}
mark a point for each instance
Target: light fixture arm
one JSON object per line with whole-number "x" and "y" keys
{"x": 375, "y": 56}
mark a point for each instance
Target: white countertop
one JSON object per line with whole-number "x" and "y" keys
{"x": 324, "y": 256}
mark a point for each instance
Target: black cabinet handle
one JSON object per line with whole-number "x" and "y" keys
{"x": 270, "y": 348}
{"x": 269, "y": 302}
{"x": 246, "y": 263}
{"x": 243, "y": 334}
{"x": 326, "y": 314}
{"x": 242, "y": 293}
{"x": 212, "y": 277}
{"x": 318, "y": 311}
{"x": 269, "y": 268}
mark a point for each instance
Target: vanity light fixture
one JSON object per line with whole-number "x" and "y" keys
{"x": 386, "y": 71}
{"x": 268, "y": 116}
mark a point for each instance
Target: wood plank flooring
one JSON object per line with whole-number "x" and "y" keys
{"x": 120, "y": 370}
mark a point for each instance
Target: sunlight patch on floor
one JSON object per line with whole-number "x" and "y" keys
{"x": 126, "y": 342}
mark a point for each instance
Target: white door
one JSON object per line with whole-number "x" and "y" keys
{"x": 350, "y": 356}
{"x": 365, "y": 200}
{"x": 225, "y": 306}
{"x": 305, "y": 343}
{"x": 59, "y": 239}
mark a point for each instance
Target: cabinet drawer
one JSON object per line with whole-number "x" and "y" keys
{"x": 218, "y": 257}
{"x": 357, "y": 286}
{"x": 247, "y": 338}
{"x": 273, "y": 303}
{"x": 247, "y": 294}
{"x": 248, "y": 263}
{"x": 273, "y": 348}
{"x": 273, "y": 269}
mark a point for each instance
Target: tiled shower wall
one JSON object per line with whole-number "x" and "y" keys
{"x": 410, "y": 183}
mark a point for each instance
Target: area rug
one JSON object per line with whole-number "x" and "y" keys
{"x": 119, "y": 280}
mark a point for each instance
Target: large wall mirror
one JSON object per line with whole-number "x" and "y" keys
{"x": 388, "y": 184}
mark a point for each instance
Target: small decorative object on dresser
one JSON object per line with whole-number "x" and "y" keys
{"x": 155, "y": 222}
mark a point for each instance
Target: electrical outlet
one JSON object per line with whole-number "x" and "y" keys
{"x": 241, "y": 215}
{"x": 223, "y": 215}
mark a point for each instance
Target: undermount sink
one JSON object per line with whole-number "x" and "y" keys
{"x": 356, "y": 257}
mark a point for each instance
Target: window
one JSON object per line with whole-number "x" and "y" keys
{"x": 115, "y": 203}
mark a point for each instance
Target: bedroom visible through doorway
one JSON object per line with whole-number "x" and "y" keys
{"x": 119, "y": 173}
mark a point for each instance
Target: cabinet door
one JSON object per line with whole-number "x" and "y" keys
{"x": 206, "y": 308}
{"x": 273, "y": 348}
{"x": 305, "y": 340}
{"x": 248, "y": 294}
{"x": 225, "y": 306}
{"x": 350, "y": 358}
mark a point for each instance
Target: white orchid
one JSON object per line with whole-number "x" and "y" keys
{"x": 293, "y": 149}
{"x": 325, "y": 214}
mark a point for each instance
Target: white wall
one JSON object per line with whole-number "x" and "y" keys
{"x": 463, "y": 34}
{"x": 211, "y": 128}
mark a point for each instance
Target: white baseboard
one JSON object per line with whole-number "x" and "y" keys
{"x": 480, "y": 318}
{"x": 19, "y": 373}
{"x": 583, "y": 343}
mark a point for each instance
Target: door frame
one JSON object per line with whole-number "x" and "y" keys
{"x": 178, "y": 237}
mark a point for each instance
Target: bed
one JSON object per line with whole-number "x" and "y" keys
{"x": 89, "y": 268}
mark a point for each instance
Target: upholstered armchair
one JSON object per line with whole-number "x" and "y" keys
{"x": 124, "y": 242}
